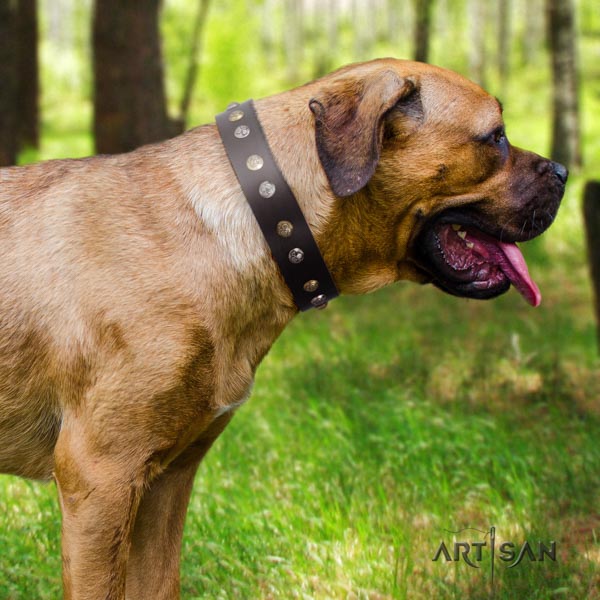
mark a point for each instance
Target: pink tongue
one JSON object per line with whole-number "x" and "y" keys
{"x": 515, "y": 269}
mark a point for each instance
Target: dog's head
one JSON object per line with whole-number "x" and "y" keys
{"x": 427, "y": 185}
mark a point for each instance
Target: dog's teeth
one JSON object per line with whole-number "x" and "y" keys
{"x": 470, "y": 245}
{"x": 461, "y": 234}
{"x": 456, "y": 227}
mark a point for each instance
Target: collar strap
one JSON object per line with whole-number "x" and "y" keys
{"x": 275, "y": 207}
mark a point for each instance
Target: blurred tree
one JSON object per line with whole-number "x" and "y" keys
{"x": 129, "y": 95}
{"x": 533, "y": 31}
{"x": 19, "y": 86}
{"x": 28, "y": 88}
{"x": 504, "y": 33}
{"x": 268, "y": 29}
{"x": 442, "y": 19}
{"x": 192, "y": 73}
{"x": 422, "y": 29}
{"x": 566, "y": 142}
{"x": 8, "y": 83}
{"x": 591, "y": 214}
{"x": 326, "y": 24}
{"x": 293, "y": 40}
{"x": 363, "y": 23}
{"x": 477, "y": 15}
{"x": 393, "y": 21}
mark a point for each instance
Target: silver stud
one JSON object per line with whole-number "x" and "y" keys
{"x": 319, "y": 301}
{"x": 296, "y": 256}
{"x": 236, "y": 115}
{"x": 241, "y": 131}
{"x": 266, "y": 189}
{"x": 284, "y": 229}
{"x": 232, "y": 106}
{"x": 255, "y": 162}
{"x": 311, "y": 286}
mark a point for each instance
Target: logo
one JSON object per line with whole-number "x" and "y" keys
{"x": 510, "y": 553}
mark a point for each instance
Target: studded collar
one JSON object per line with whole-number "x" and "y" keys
{"x": 275, "y": 207}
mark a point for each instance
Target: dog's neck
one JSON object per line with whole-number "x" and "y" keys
{"x": 289, "y": 129}
{"x": 225, "y": 215}
{"x": 275, "y": 207}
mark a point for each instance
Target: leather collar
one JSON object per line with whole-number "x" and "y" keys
{"x": 275, "y": 207}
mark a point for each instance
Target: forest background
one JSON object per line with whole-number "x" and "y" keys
{"x": 383, "y": 422}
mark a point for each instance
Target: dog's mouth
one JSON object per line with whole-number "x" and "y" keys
{"x": 463, "y": 260}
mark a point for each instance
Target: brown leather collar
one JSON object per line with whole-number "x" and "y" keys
{"x": 275, "y": 207}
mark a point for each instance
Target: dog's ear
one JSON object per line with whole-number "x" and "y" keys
{"x": 349, "y": 126}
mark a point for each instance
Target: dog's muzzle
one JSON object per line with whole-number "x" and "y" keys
{"x": 467, "y": 254}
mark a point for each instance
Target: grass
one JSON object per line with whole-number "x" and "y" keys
{"x": 383, "y": 422}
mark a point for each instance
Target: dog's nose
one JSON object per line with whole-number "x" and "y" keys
{"x": 560, "y": 171}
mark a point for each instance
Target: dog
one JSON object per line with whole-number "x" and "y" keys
{"x": 138, "y": 295}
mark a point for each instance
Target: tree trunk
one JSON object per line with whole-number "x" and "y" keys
{"x": 566, "y": 144}
{"x": 477, "y": 54}
{"x": 129, "y": 97}
{"x": 333, "y": 30}
{"x": 533, "y": 31}
{"x": 267, "y": 33}
{"x": 503, "y": 43}
{"x": 591, "y": 211}
{"x": 393, "y": 22}
{"x": 28, "y": 89}
{"x": 422, "y": 29}
{"x": 443, "y": 22}
{"x": 8, "y": 83}
{"x": 192, "y": 73}
{"x": 326, "y": 26}
{"x": 364, "y": 26}
{"x": 293, "y": 38}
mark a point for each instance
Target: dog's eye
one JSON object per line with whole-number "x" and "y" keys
{"x": 499, "y": 136}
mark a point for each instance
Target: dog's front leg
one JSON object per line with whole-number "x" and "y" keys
{"x": 153, "y": 566}
{"x": 99, "y": 495}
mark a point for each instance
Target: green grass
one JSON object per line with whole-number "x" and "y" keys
{"x": 382, "y": 422}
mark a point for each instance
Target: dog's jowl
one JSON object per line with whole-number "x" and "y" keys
{"x": 138, "y": 293}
